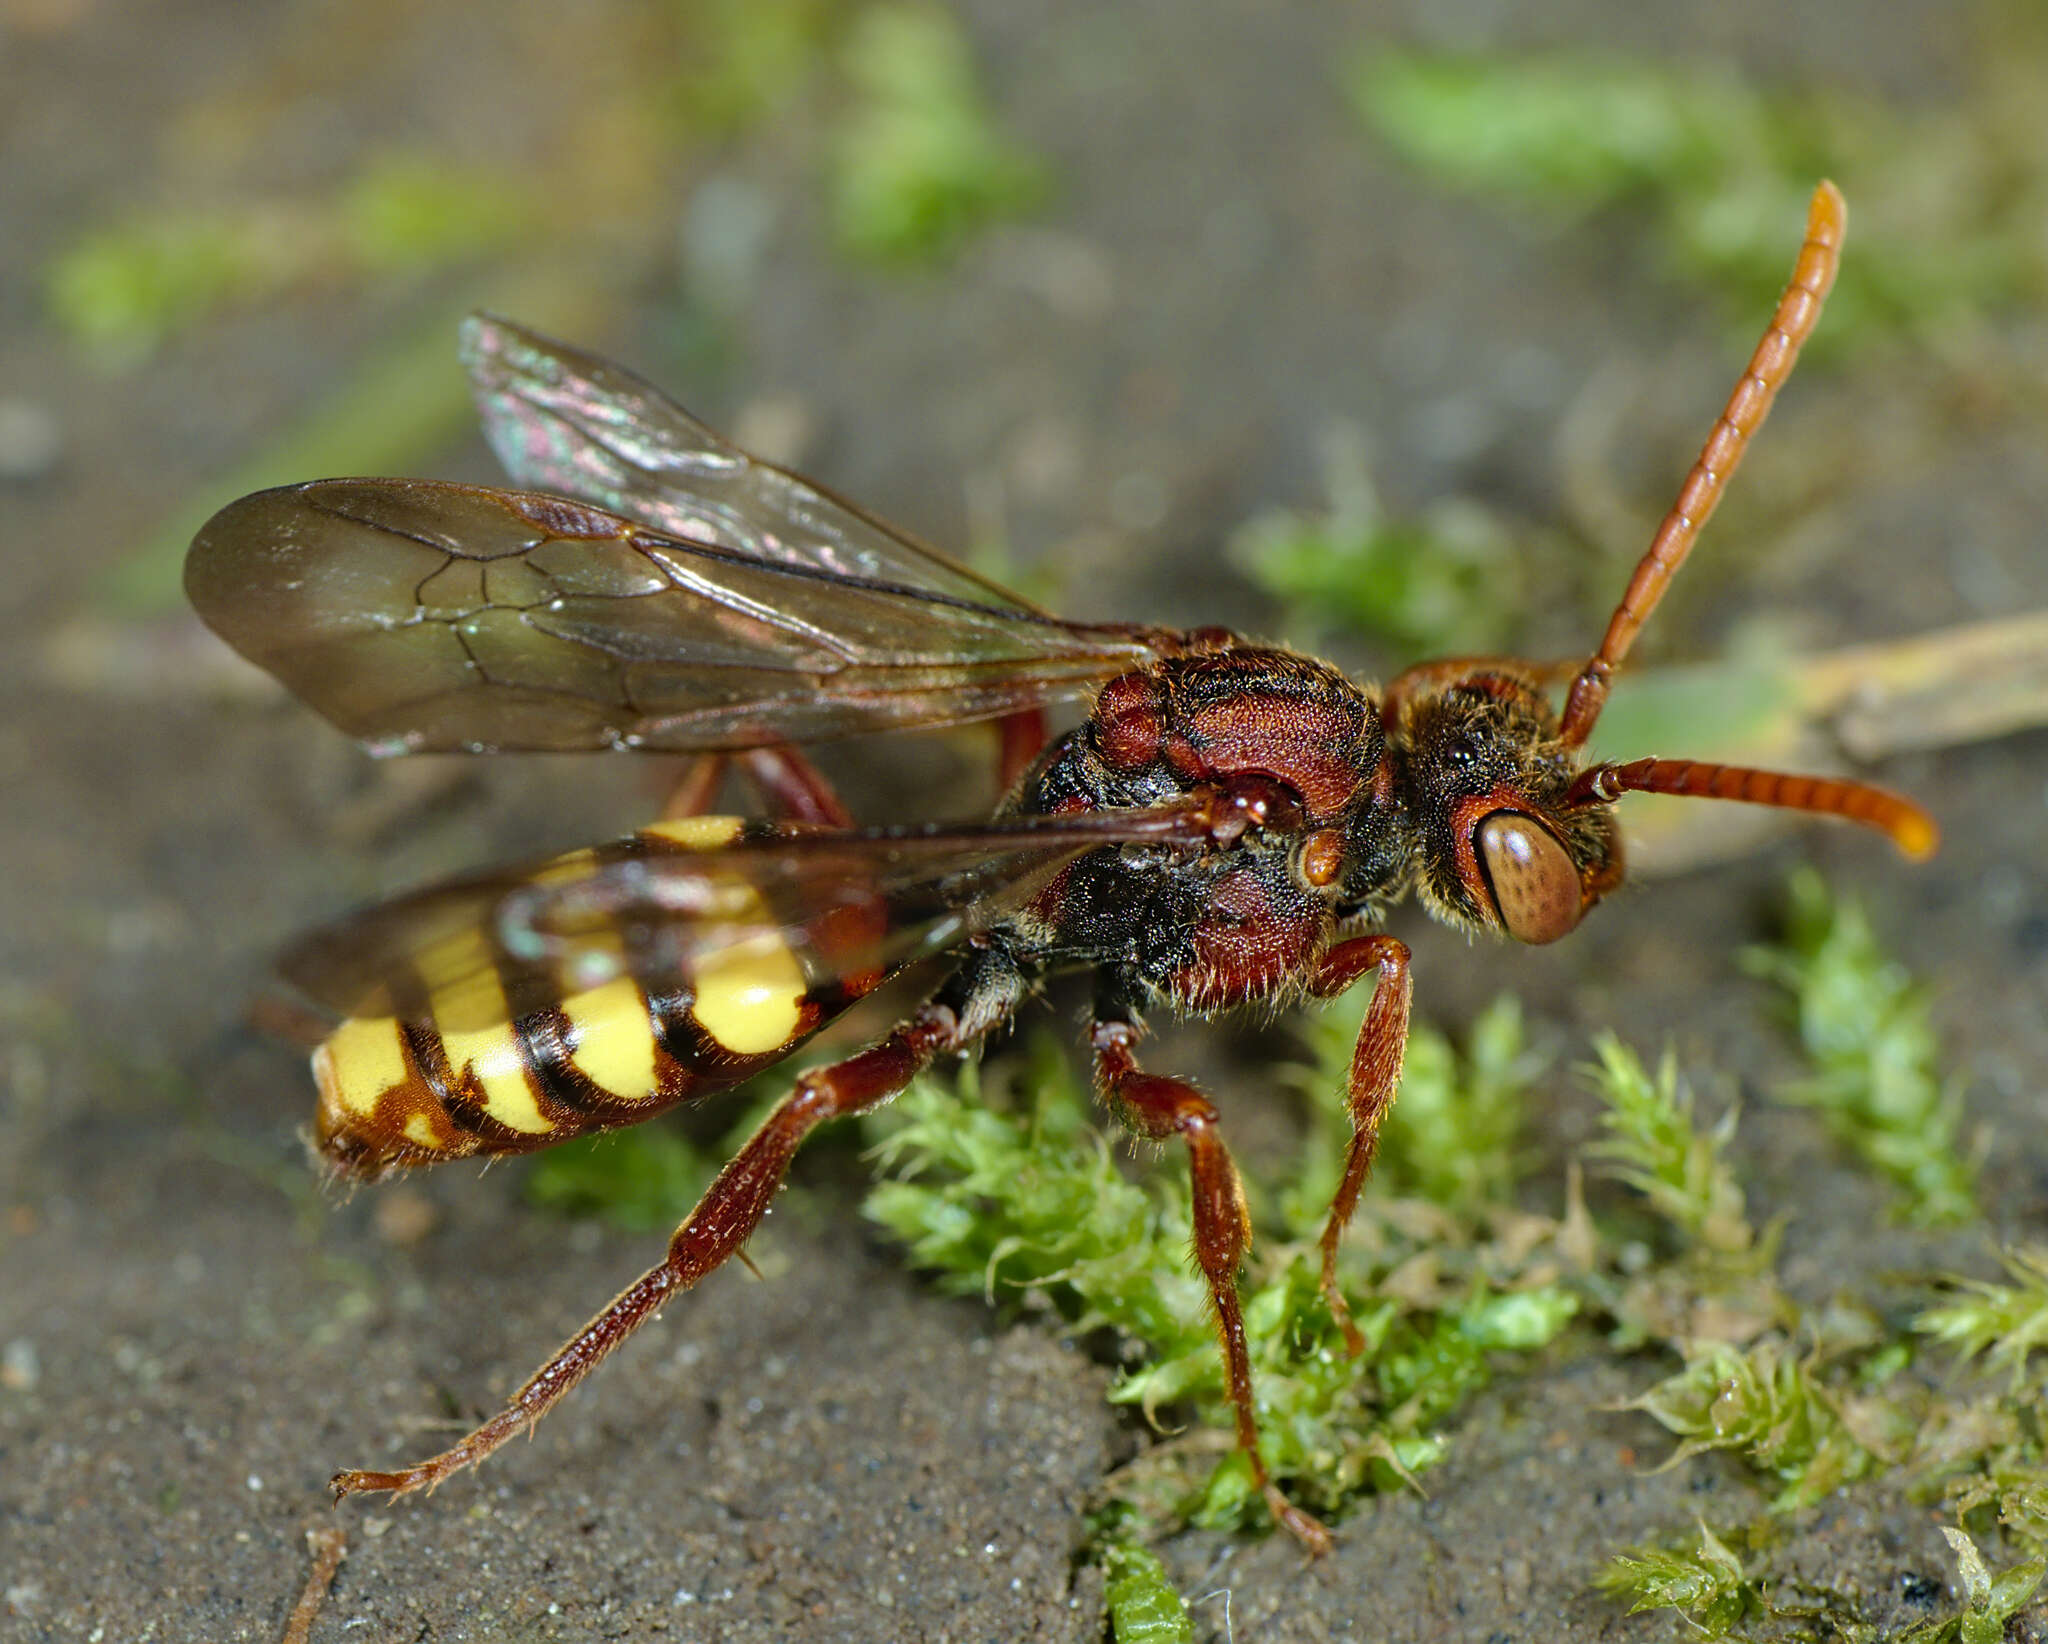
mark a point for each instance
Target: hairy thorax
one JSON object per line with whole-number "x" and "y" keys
{"x": 1236, "y": 924}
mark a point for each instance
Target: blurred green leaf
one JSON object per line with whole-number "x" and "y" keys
{"x": 745, "y": 58}
{"x": 124, "y": 287}
{"x": 400, "y": 400}
{"x": 1446, "y": 582}
{"x": 131, "y": 283}
{"x": 1942, "y": 199}
{"x": 918, "y": 164}
{"x": 408, "y": 212}
{"x": 1571, "y": 129}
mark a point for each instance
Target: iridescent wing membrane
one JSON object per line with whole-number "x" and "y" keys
{"x": 851, "y": 907}
{"x": 566, "y": 421}
{"x": 713, "y": 603}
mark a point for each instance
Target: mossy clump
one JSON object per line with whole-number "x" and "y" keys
{"x": 1024, "y": 1199}
{"x": 1863, "y": 1022}
{"x": 1706, "y": 1584}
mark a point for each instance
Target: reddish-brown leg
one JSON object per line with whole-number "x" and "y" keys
{"x": 1161, "y": 1108}
{"x": 1023, "y": 736}
{"x": 795, "y": 790}
{"x": 696, "y": 790}
{"x": 716, "y": 1230}
{"x": 1375, "y": 1076}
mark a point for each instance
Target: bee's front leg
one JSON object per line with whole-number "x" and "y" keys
{"x": 1160, "y": 1108}
{"x": 1369, "y": 1092}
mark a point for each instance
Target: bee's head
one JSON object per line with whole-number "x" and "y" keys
{"x": 1516, "y": 828}
{"x": 1487, "y": 787}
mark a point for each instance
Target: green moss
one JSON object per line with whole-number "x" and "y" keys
{"x": 640, "y": 1181}
{"x": 1863, "y": 1022}
{"x": 1031, "y": 1205}
{"x": 647, "y": 1179}
{"x": 1705, "y": 1584}
{"x": 1012, "y": 1193}
{"x": 1144, "y": 1607}
{"x": 1771, "y": 1406}
{"x": 918, "y": 164}
{"x": 1652, "y": 1143}
{"x": 1710, "y": 1587}
{"x": 1447, "y": 582}
{"x": 2005, "y": 1323}
{"x": 1456, "y": 1136}
{"x": 1830, "y": 1398}
{"x": 1989, "y": 1601}
{"x": 1028, "y": 1202}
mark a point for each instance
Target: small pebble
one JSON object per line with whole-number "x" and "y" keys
{"x": 20, "y": 1369}
{"x": 30, "y": 440}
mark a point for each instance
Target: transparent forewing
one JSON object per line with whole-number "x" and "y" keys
{"x": 563, "y": 420}
{"x": 422, "y": 616}
{"x": 848, "y": 906}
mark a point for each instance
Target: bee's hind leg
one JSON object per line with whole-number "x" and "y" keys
{"x": 732, "y": 1207}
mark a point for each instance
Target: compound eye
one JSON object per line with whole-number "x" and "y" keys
{"x": 1534, "y": 884}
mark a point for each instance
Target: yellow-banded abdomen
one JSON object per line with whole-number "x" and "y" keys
{"x": 461, "y": 1072}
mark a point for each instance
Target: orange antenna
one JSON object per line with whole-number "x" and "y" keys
{"x": 1798, "y": 312}
{"x": 1910, "y": 827}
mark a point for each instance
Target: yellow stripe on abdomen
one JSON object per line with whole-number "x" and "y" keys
{"x": 461, "y": 1077}
{"x": 461, "y": 975}
{"x": 697, "y": 833}
{"x": 358, "y": 1062}
{"x": 494, "y": 1058}
{"x": 611, "y": 1041}
{"x": 749, "y": 995}
{"x": 375, "y": 1110}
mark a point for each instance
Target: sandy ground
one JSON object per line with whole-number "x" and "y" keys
{"x": 1228, "y": 265}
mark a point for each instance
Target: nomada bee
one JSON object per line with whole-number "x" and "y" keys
{"x": 1227, "y": 826}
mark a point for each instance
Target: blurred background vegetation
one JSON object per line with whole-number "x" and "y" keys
{"x": 674, "y": 156}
